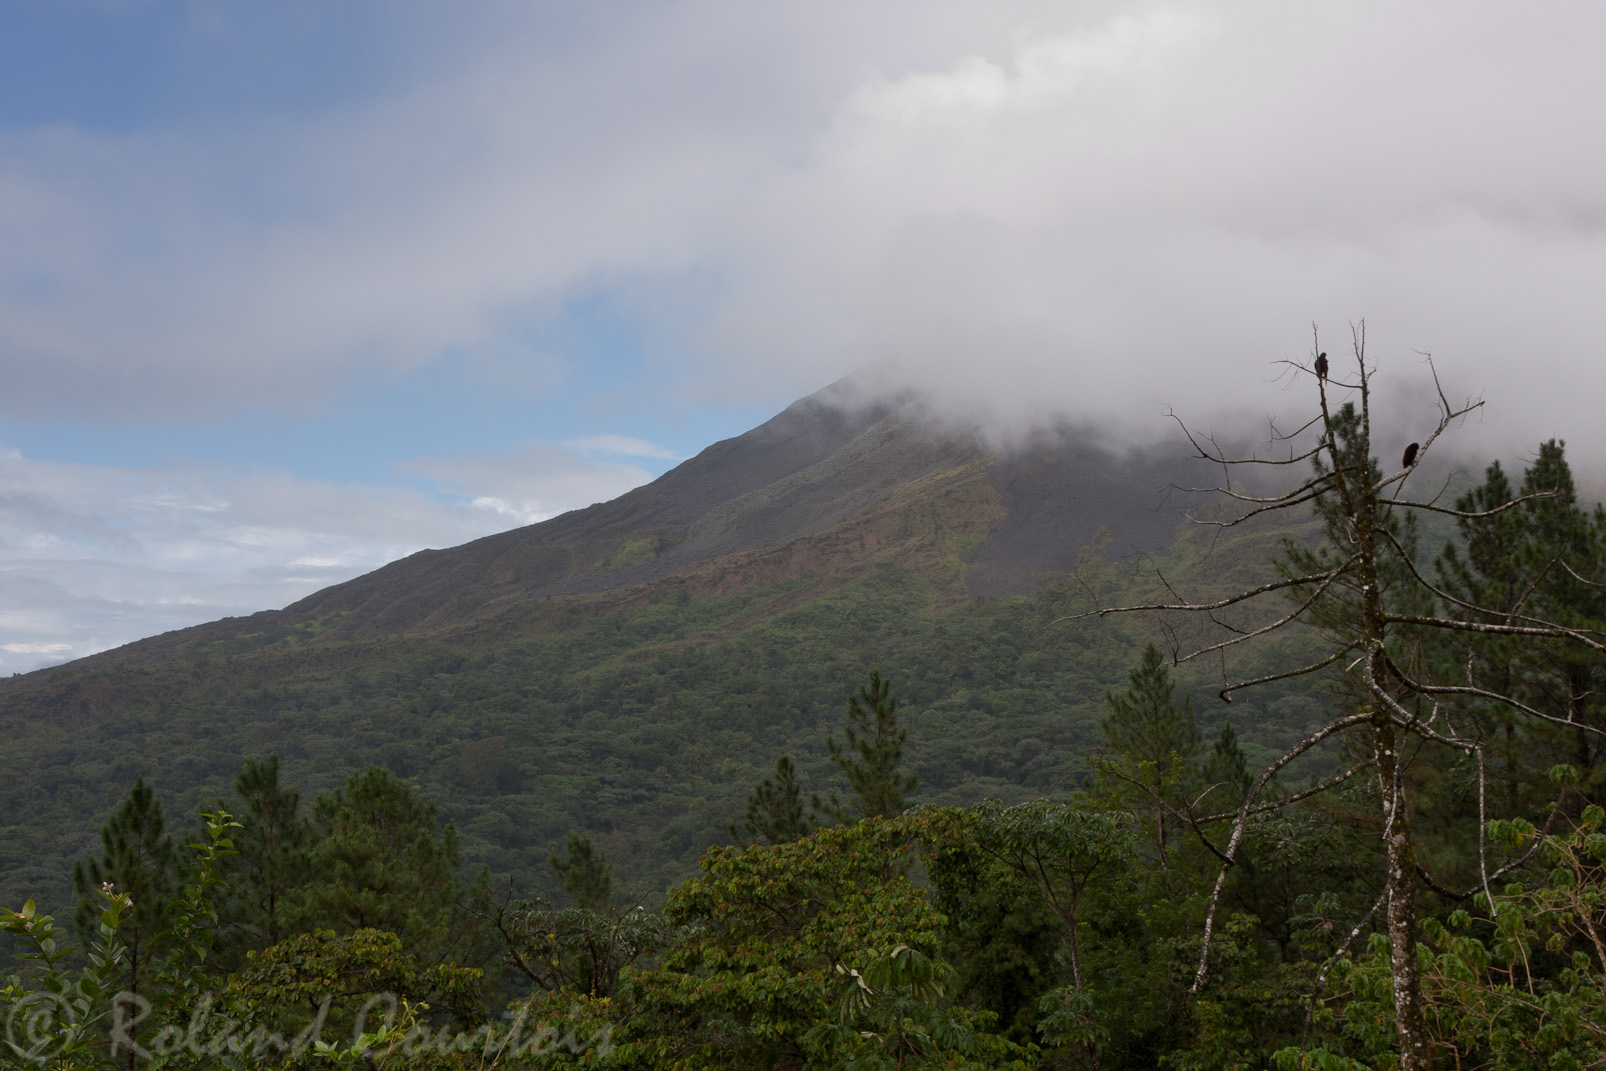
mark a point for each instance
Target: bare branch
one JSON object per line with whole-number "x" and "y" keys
{"x": 1471, "y": 516}
{"x": 1330, "y": 729}
{"x": 1533, "y": 849}
{"x": 1277, "y": 504}
{"x": 1242, "y": 596}
{"x": 1434, "y": 885}
{"x": 1514, "y": 616}
{"x": 1165, "y": 805}
{"x": 1487, "y": 611}
{"x": 1210, "y": 615}
{"x": 1279, "y": 623}
{"x": 1321, "y": 976}
{"x": 1447, "y": 416}
{"x": 1483, "y": 861}
{"x": 1218, "y": 458}
{"x": 1553, "y": 631}
{"x": 1284, "y": 801}
{"x": 1508, "y": 867}
{"x": 1288, "y": 497}
{"x": 1495, "y": 697}
{"x": 1578, "y": 578}
{"x": 1302, "y": 671}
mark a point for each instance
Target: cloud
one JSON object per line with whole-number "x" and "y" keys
{"x": 622, "y": 445}
{"x": 168, "y": 271}
{"x": 1148, "y": 209}
{"x": 37, "y": 648}
{"x": 537, "y": 480}
{"x": 95, "y": 556}
{"x": 1027, "y": 208}
{"x": 195, "y": 268}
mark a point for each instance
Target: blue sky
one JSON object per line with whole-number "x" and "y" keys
{"x": 289, "y": 290}
{"x": 133, "y": 66}
{"x": 360, "y": 432}
{"x": 141, "y": 70}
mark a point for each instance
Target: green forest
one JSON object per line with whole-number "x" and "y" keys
{"x": 641, "y": 718}
{"x": 1037, "y": 855}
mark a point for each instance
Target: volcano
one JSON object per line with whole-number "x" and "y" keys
{"x": 632, "y": 668}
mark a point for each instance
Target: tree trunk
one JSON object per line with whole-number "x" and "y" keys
{"x": 1410, "y": 1027}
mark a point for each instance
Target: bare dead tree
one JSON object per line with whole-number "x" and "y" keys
{"x": 1360, "y": 591}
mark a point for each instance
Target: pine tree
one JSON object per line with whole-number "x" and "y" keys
{"x": 138, "y": 860}
{"x": 583, "y": 872}
{"x": 384, "y": 862}
{"x": 1566, "y": 545}
{"x": 1145, "y": 723}
{"x": 1487, "y": 569}
{"x": 1153, "y": 741}
{"x": 273, "y": 864}
{"x": 870, "y": 756}
{"x": 775, "y": 809}
{"x": 1531, "y": 560}
{"x": 1227, "y": 770}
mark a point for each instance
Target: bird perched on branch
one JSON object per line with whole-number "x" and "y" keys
{"x": 1410, "y": 455}
{"x": 1321, "y": 366}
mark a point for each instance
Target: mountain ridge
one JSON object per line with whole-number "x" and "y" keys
{"x": 818, "y": 463}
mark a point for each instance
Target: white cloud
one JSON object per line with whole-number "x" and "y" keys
{"x": 37, "y": 648}
{"x": 535, "y": 481}
{"x": 188, "y": 269}
{"x": 1152, "y": 206}
{"x": 1025, "y": 206}
{"x": 622, "y": 445}
{"x": 1102, "y": 207}
{"x": 94, "y": 556}
{"x": 282, "y": 258}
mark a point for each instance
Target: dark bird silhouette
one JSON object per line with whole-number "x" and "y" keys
{"x": 1321, "y": 366}
{"x": 1410, "y": 455}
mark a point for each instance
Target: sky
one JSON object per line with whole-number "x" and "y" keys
{"x": 289, "y": 290}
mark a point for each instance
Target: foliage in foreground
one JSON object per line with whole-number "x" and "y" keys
{"x": 1044, "y": 934}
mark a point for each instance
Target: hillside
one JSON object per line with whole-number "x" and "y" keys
{"x": 634, "y": 667}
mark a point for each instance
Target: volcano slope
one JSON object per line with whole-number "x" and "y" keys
{"x": 633, "y": 668}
